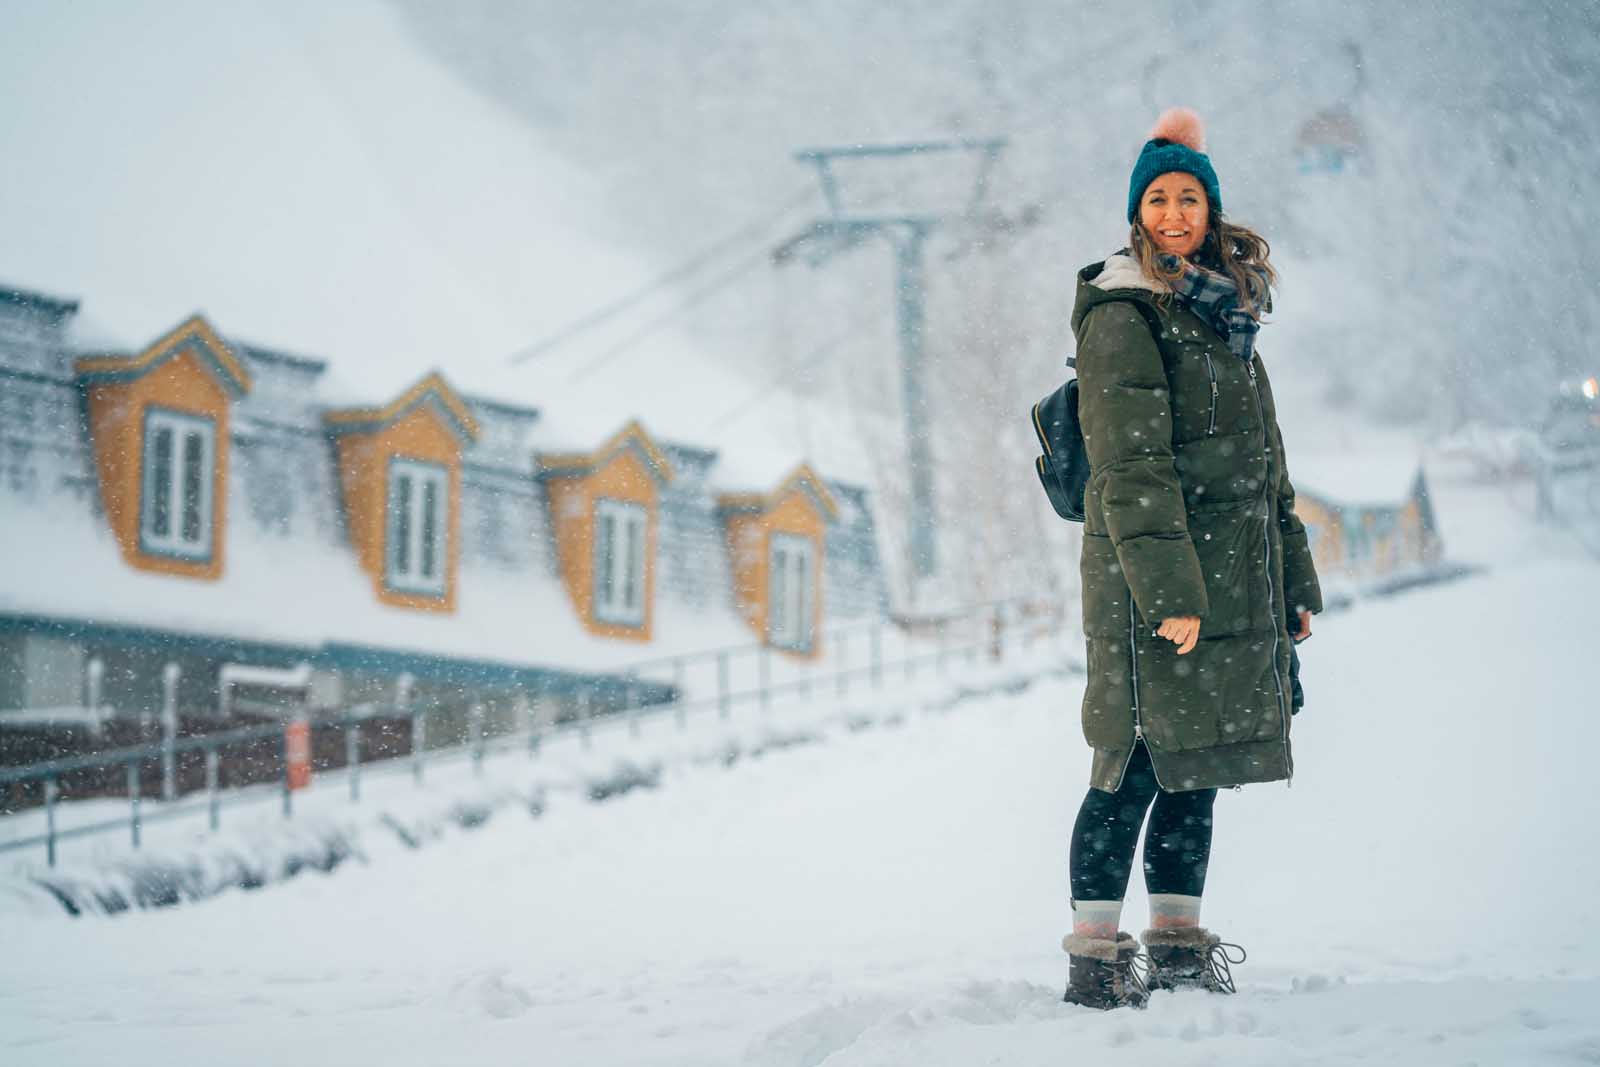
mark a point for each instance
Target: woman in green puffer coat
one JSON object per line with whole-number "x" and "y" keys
{"x": 1196, "y": 571}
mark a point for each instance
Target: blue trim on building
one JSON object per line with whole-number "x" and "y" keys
{"x": 287, "y": 359}
{"x": 768, "y": 502}
{"x": 500, "y": 407}
{"x": 35, "y": 376}
{"x": 54, "y": 306}
{"x": 430, "y": 396}
{"x": 696, "y": 454}
{"x": 265, "y": 654}
{"x": 189, "y": 346}
{"x": 338, "y": 656}
{"x": 521, "y": 483}
{"x": 543, "y": 473}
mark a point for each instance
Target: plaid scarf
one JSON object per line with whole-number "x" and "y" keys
{"x": 1213, "y": 296}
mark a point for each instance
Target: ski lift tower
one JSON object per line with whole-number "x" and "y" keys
{"x": 841, "y": 230}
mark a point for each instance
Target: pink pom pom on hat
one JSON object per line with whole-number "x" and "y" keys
{"x": 1177, "y": 142}
{"x": 1183, "y": 125}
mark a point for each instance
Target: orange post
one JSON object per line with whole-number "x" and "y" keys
{"x": 297, "y": 751}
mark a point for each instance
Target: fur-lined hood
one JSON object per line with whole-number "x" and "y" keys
{"x": 1117, "y": 277}
{"x": 1122, "y": 271}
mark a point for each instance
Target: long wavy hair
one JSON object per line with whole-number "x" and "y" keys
{"x": 1246, "y": 263}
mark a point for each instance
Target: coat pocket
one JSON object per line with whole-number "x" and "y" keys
{"x": 1232, "y": 560}
{"x": 1105, "y": 589}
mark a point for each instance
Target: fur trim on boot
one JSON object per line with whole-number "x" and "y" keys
{"x": 1191, "y": 957}
{"x": 1105, "y": 974}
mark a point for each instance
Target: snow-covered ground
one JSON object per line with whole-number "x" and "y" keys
{"x": 896, "y": 894}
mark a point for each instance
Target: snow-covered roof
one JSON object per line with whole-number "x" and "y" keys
{"x": 1365, "y": 479}
{"x": 56, "y": 307}
{"x": 298, "y": 592}
{"x": 433, "y": 232}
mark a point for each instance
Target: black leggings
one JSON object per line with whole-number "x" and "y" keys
{"x": 1177, "y": 843}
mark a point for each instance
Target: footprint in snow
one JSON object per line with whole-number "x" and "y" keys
{"x": 491, "y": 994}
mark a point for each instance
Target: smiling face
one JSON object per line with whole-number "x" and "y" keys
{"x": 1174, "y": 212}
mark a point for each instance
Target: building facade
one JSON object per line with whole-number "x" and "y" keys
{"x": 216, "y": 505}
{"x": 1356, "y": 544}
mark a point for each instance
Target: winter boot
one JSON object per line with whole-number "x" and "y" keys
{"x": 1191, "y": 957}
{"x": 1105, "y": 974}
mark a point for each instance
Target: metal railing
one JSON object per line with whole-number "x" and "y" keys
{"x": 1006, "y": 630}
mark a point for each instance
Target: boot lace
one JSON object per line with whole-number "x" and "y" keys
{"x": 1220, "y": 960}
{"x": 1139, "y": 969}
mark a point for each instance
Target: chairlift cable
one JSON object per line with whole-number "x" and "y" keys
{"x": 817, "y": 357}
{"x": 684, "y": 269}
{"x": 694, "y": 299}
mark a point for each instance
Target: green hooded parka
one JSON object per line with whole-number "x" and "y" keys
{"x": 1189, "y": 511}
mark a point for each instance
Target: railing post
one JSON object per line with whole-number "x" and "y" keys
{"x": 50, "y": 821}
{"x": 213, "y": 797}
{"x": 133, "y": 801}
{"x": 805, "y": 677}
{"x": 585, "y": 710}
{"x": 533, "y": 711}
{"x": 876, "y": 666}
{"x": 352, "y": 758}
{"x": 680, "y": 693}
{"x": 94, "y": 684}
{"x": 764, "y": 683}
{"x": 842, "y": 655}
{"x": 724, "y": 698}
{"x": 475, "y": 733}
{"x": 632, "y": 706}
{"x": 169, "y": 731}
{"x": 403, "y": 692}
{"x": 419, "y": 742}
{"x": 288, "y": 787}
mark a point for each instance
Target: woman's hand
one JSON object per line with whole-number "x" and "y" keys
{"x": 1305, "y": 627}
{"x": 1181, "y": 630}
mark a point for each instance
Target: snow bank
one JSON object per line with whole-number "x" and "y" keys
{"x": 180, "y": 861}
{"x": 897, "y": 895}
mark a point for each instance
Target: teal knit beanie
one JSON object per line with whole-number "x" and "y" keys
{"x": 1177, "y": 142}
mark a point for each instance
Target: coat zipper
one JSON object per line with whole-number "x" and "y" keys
{"x": 1211, "y": 370}
{"x": 1266, "y": 537}
{"x": 1138, "y": 720}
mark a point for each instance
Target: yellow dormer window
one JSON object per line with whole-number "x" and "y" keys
{"x": 791, "y": 605}
{"x": 620, "y": 534}
{"x": 159, "y": 426}
{"x": 178, "y": 484}
{"x": 419, "y": 526}
{"x": 400, "y": 473}
{"x": 603, "y": 508}
{"x": 776, "y": 544}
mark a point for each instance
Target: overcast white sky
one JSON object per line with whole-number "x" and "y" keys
{"x": 303, "y": 176}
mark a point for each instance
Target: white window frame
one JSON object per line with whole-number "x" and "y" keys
{"x": 175, "y": 540}
{"x": 612, "y": 602}
{"x": 792, "y": 591}
{"x": 404, "y": 532}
